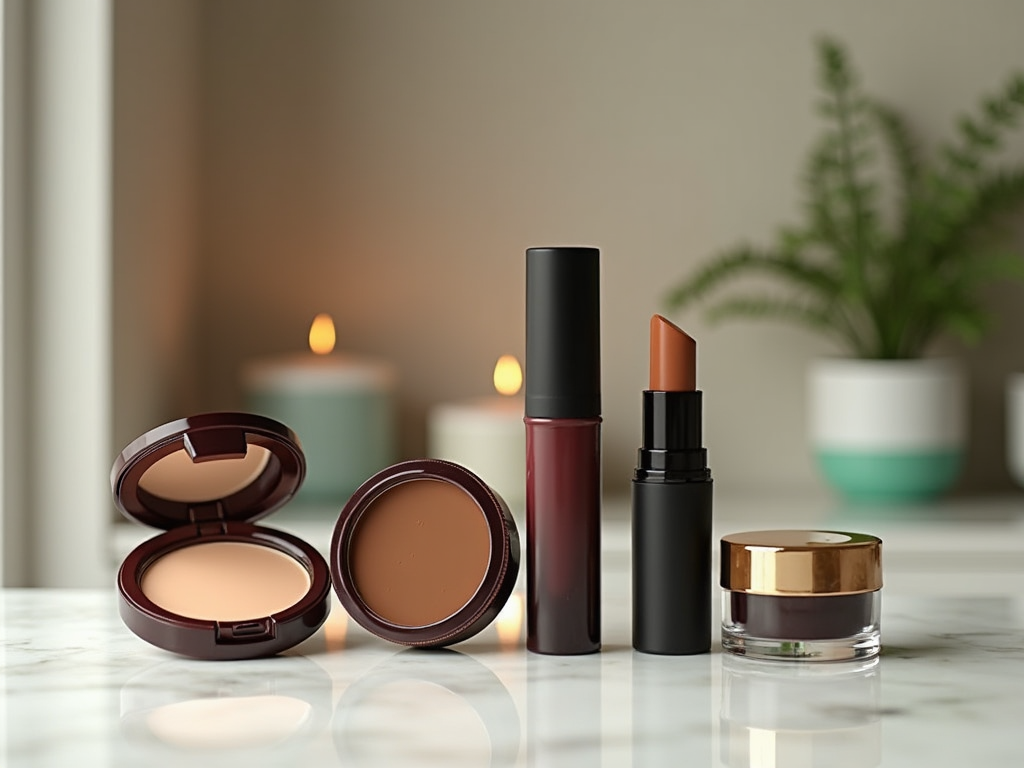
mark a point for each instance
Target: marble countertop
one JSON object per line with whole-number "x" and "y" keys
{"x": 78, "y": 689}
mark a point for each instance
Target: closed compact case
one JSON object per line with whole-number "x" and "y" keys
{"x": 214, "y": 585}
{"x": 424, "y": 554}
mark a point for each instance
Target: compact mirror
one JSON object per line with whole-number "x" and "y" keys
{"x": 176, "y": 477}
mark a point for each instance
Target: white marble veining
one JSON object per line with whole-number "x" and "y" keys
{"x": 80, "y": 690}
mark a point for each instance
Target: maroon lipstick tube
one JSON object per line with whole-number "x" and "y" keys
{"x": 563, "y": 450}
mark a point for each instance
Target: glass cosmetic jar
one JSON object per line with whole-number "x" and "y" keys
{"x": 801, "y": 595}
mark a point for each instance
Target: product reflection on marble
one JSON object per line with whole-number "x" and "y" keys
{"x": 429, "y": 696}
{"x": 801, "y": 595}
{"x": 800, "y": 716}
{"x": 665, "y": 732}
{"x": 563, "y": 710}
{"x": 245, "y": 714}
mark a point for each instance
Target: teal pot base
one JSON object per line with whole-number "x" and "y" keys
{"x": 888, "y": 476}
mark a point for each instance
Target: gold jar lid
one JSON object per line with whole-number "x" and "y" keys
{"x": 801, "y": 562}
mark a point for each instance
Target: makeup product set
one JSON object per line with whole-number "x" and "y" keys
{"x": 425, "y": 554}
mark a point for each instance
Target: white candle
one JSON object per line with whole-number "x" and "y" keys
{"x": 487, "y": 436}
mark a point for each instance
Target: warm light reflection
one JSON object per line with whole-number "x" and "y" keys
{"x": 510, "y": 622}
{"x": 762, "y": 748}
{"x": 335, "y": 630}
{"x": 321, "y": 334}
{"x": 763, "y": 566}
{"x": 508, "y": 376}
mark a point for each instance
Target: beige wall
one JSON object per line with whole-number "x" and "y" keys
{"x": 156, "y": 182}
{"x": 390, "y": 161}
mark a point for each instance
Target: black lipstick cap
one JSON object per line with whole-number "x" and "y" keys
{"x": 563, "y": 333}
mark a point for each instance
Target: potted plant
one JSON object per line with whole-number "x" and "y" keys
{"x": 893, "y": 251}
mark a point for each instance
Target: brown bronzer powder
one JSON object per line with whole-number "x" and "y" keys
{"x": 419, "y": 552}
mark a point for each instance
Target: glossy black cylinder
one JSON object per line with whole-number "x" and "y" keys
{"x": 672, "y": 503}
{"x": 672, "y": 567}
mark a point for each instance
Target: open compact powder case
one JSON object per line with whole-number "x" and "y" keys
{"x": 424, "y": 554}
{"x": 215, "y": 586}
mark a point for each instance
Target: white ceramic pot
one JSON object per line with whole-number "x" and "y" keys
{"x": 888, "y": 430}
{"x": 1015, "y": 426}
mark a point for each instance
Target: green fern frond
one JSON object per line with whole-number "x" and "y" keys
{"x": 884, "y": 291}
{"x": 991, "y": 198}
{"x": 982, "y": 135}
{"x": 760, "y": 307}
{"x": 902, "y": 149}
{"x": 999, "y": 194}
{"x": 992, "y": 265}
{"x": 798, "y": 273}
{"x": 812, "y": 316}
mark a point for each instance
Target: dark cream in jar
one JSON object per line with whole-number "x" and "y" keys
{"x": 801, "y": 595}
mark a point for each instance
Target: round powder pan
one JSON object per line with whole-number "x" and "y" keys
{"x": 424, "y": 554}
{"x": 214, "y": 585}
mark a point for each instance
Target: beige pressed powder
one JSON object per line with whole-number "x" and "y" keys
{"x": 419, "y": 552}
{"x": 225, "y": 581}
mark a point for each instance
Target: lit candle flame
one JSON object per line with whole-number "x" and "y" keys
{"x": 510, "y": 621}
{"x": 321, "y": 334}
{"x": 508, "y": 376}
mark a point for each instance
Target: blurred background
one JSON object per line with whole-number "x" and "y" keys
{"x": 257, "y": 162}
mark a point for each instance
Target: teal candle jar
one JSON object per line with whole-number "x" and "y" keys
{"x": 342, "y": 410}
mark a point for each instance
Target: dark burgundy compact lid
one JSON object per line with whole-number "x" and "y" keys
{"x": 271, "y": 475}
{"x": 424, "y": 554}
{"x": 204, "y": 479}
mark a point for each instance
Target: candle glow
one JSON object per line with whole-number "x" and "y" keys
{"x": 321, "y": 334}
{"x": 508, "y": 376}
{"x": 510, "y": 622}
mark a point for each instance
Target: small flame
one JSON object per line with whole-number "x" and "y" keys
{"x": 508, "y": 376}
{"x": 321, "y": 334}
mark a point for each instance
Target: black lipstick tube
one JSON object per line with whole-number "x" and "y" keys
{"x": 672, "y": 503}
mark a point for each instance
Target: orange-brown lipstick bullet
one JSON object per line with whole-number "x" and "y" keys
{"x": 672, "y": 504}
{"x": 673, "y": 358}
